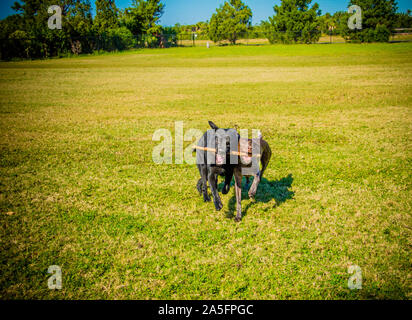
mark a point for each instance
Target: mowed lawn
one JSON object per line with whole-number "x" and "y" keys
{"x": 79, "y": 188}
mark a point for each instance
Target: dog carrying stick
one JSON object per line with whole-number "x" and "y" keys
{"x": 236, "y": 153}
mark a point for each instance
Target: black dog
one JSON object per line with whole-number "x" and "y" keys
{"x": 245, "y": 149}
{"x": 213, "y": 159}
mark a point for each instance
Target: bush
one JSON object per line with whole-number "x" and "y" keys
{"x": 151, "y": 41}
{"x": 116, "y": 39}
{"x": 122, "y": 38}
{"x": 17, "y": 45}
{"x": 382, "y": 33}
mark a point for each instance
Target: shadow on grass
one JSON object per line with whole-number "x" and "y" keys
{"x": 278, "y": 190}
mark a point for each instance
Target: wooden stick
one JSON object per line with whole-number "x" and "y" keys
{"x": 205, "y": 149}
{"x": 244, "y": 154}
{"x": 236, "y": 153}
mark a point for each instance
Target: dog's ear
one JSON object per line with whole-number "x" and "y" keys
{"x": 213, "y": 126}
{"x": 259, "y": 137}
{"x": 257, "y": 140}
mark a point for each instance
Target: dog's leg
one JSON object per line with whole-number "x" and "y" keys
{"x": 247, "y": 182}
{"x": 253, "y": 188}
{"x": 213, "y": 184}
{"x": 228, "y": 179}
{"x": 199, "y": 186}
{"x": 203, "y": 173}
{"x": 264, "y": 160}
{"x": 238, "y": 191}
{"x": 226, "y": 188}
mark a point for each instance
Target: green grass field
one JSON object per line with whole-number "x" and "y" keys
{"x": 79, "y": 188}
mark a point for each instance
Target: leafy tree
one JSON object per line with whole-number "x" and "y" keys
{"x": 340, "y": 19}
{"x": 143, "y": 17}
{"x": 9, "y": 25}
{"x": 327, "y": 24}
{"x": 78, "y": 25}
{"x": 31, "y": 21}
{"x": 294, "y": 22}
{"x": 26, "y": 34}
{"x": 378, "y": 21}
{"x": 34, "y": 18}
{"x": 201, "y": 28}
{"x": 169, "y": 35}
{"x": 106, "y": 16}
{"x": 77, "y": 18}
{"x": 257, "y": 31}
{"x": 231, "y": 19}
{"x": 403, "y": 20}
{"x": 113, "y": 32}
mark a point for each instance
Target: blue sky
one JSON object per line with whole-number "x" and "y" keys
{"x": 192, "y": 11}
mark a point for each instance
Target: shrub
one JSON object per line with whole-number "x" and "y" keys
{"x": 121, "y": 38}
{"x": 19, "y": 45}
{"x": 382, "y": 33}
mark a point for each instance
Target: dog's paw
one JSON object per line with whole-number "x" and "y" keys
{"x": 218, "y": 206}
{"x": 199, "y": 186}
{"x": 238, "y": 219}
{"x": 206, "y": 199}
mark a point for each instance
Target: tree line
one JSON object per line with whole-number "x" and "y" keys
{"x": 26, "y": 34}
